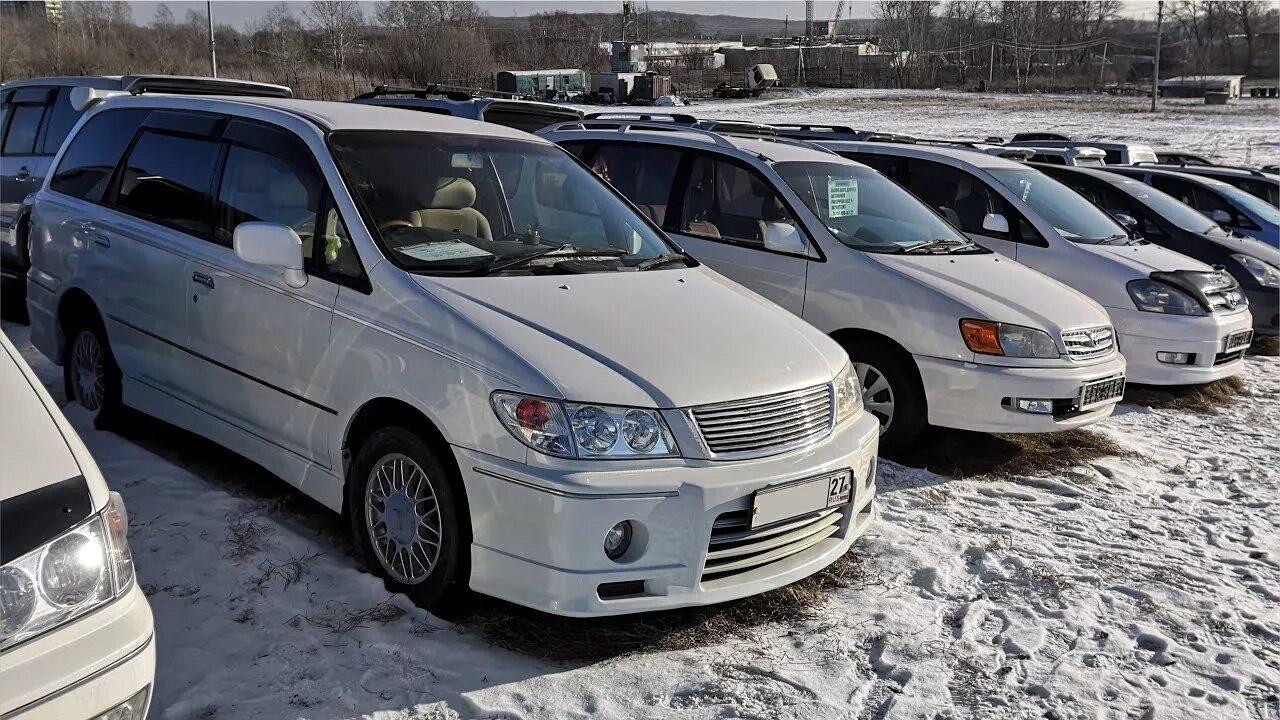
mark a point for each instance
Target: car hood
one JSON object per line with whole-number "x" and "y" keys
{"x": 29, "y": 431}
{"x": 1145, "y": 258}
{"x": 1252, "y": 247}
{"x": 996, "y": 288}
{"x": 667, "y": 338}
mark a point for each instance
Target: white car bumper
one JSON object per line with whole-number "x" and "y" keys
{"x": 537, "y": 532}
{"x": 971, "y": 396}
{"x": 85, "y": 668}
{"x": 1143, "y": 334}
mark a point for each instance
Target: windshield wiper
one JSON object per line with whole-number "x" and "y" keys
{"x": 661, "y": 260}
{"x": 563, "y": 251}
{"x": 1111, "y": 239}
{"x": 952, "y": 245}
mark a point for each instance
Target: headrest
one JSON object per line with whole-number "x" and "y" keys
{"x": 453, "y": 194}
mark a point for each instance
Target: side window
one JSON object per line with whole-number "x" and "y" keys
{"x": 1050, "y": 159}
{"x": 727, "y": 201}
{"x": 644, "y": 174}
{"x": 261, "y": 187}
{"x": 167, "y": 179}
{"x": 24, "y": 127}
{"x": 961, "y": 198}
{"x": 1180, "y": 189}
{"x": 62, "y": 117}
{"x": 577, "y": 149}
{"x": 1114, "y": 157}
{"x": 95, "y": 151}
{"x": 894, "y": 168}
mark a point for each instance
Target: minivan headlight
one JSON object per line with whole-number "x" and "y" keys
{"x": 1266, "y": 274}
{"x": 992, "y": 338}
{"x": 848, "y": 394}
{"x": 1154, "y": 296}
{"x": 583, "y": 430}
{"x": 78, "y": 571}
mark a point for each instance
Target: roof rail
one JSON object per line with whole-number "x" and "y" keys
{"x": 738, "y": 127}
{"x": 451, "y": 92}
{"x": 1243, "y": 168}
{"x": 180, "y": 85}
{"x": 811, "y": 127}
{"x": 673, "y": 118}
{"x": 623, "y": 125}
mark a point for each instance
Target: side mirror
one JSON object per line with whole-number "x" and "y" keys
{"x": 1126, "y": 220}
{"x": 784, "y": 237}
{"x": 995, "y": 223}
{"x": 272, "y": 244}
{"x": 1220, "y": 216}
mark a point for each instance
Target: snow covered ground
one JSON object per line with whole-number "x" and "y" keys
{"x": 1245, "y": 132}
{"x": 1146, "y": 587}
{"x": 1139, "y": 587}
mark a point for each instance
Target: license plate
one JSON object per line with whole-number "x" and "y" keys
{"x": 1237, "y": 340}
{"x": 783, "y": 502}
{"x": 1100, "y": 392}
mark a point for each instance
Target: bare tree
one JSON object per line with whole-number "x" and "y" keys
{"x": 339, "y": 22}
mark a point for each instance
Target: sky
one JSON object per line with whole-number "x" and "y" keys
{"x": 239, "y": 12}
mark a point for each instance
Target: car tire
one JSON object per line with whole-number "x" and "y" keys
{"x": 90, "y": 375}
{"x": 399, "y": 499}
{"x": 892, "y": 392}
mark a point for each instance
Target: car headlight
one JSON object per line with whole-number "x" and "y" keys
{"x": 78, "y": 571}
{"x": 1266, "y": 274}
{"x": 992, "y": 338}
{"x": 583, "y": 430}
{"x": 848, "y": 394}
{"x": 1154, "y": 296}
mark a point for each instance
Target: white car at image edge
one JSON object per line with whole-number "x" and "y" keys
{"x": 76, "y": 633}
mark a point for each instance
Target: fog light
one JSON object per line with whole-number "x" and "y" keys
{"x": 1176, "y": 358}
{"x": 135, "y": 708}
{"x": 617, "y": 540}
{"x": 1030, "y": 405}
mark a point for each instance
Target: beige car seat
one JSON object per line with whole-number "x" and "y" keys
{"x": 450, "y": 209}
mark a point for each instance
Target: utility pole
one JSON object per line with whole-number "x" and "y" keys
{"x": 1155, "y": 66}
{"x": 1102, "y": 67}
{"x": 991, "y": 64}
{"x": 213, "y": 50}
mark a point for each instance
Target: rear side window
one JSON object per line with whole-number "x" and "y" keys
{"x": 643, "y": 174}
{"x": 24, "y": 126}
{"x": 167, "y": 179}
{"x": 62, "y": 117}
{"x": 87, "y": 164}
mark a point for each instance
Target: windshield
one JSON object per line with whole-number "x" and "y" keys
{"x": 1253, "y": 204}
{"x": 865, "y": 210}
{"x": 1170, "y": 208}
{"x": 1074, "y": 218}
{"x": 455, "y": 204}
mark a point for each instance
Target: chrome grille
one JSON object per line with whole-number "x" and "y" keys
{"x": 1087, "y": 343}
{"x": 1226, "y": 299}
{"x": 736, "y": 548}
{"x": 765, "y": 425}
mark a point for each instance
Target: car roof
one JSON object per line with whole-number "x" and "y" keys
{"x": 1134, "y": 169}
{"x": 480, "y": 102}
{"x": 1097, "y": 173}
{"x": 770, "y": 148}
{"x": 964, "y": 155}
{"x": 334, "y": 115}
{"x": 1227, "y": 171}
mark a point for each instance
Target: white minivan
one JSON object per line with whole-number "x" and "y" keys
{"x": 457, "y": 335}
{"x": 76, "y": 632}
{"x": 941, "y": 331}
{"x": 1178, "y": 320}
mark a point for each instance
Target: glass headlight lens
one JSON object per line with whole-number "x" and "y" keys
{"x": 993, "y": 338}
{"x": 1154, "y": 296}
{"x": 74, "y": 573}
{"x": 1266, "y": 274}
{"x": 848, "y": 394}
{"x": 584, "y": 430}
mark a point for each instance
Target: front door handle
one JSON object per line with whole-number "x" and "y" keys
{"x": 102, "y": 241}
{"x": 203, "y": 279}
{"x": 23, "y": 174}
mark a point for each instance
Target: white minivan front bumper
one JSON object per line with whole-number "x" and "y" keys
{"x": 978, "y": 397}
{"x": 85, "y": 668}
{"x": 537, "y": 531}
{"x": 1142, "y": 335}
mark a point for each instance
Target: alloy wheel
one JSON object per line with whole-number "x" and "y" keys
{"x": 877, "y": 394}
{"x": 88, "y": 371}
{"x": 402, "y": 516}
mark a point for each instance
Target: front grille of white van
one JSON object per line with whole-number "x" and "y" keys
{"x": 765, "y": 425}
{"x": 1087, "y": 343}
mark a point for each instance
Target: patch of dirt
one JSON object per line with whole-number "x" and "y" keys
{"x": 1266, "y": 346}
{"x": 962, "y": 454}
{"x": 1207, "y": 398}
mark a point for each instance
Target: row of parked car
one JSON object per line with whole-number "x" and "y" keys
{"x": 634, "y": 363}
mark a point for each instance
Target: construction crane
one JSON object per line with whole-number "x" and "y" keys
{"x": 835, "y": 22}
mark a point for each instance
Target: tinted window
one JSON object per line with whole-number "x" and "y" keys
{"x": 167, "y": 179}
{"x": 1074, "y": 218}
{"x": 1114, "y": 157}
{"x": 257, "y": 187}
{"x": 644, "y": 174}
{"x": 526, "y": 120}
{"x": 958, "y": 196}
{"x": 24, "y": 126}
{"x": 62, "y": 117}
{"x": 94, "y": 152}
{"x": 730, "y": 202}
{"x": 1268, "y": 191}
{"x": 1051, "y": 159}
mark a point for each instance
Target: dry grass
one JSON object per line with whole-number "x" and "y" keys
{"x": 968, "y": 454}
{"x": 1208, "y": 398}
{"x": 561, "y": 639}
{"x": 1266, "y": 346}
{"x": 343, "y": 620}
{"x": 246, "y": 537}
